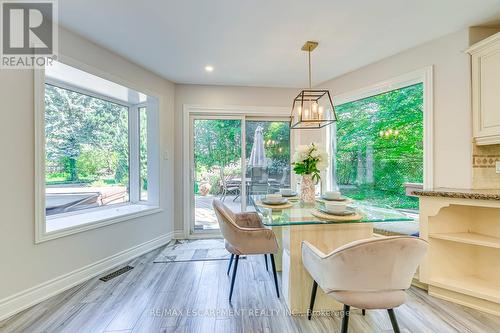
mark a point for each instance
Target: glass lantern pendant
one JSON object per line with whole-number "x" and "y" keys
{"x": 312, "y": 108}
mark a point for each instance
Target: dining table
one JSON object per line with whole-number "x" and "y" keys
{"x": 300, "y": 222}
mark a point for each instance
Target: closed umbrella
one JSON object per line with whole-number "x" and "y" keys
{"x": 258, "y": 154}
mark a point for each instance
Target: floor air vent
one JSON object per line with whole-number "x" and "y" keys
{"x": 116, "y": 273}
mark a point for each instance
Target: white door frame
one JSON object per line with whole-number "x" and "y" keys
{"x": 217, "y": 112}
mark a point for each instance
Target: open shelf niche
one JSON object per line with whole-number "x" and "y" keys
{"x": 464, "y": 251}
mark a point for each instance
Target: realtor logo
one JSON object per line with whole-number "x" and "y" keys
{"x": 28, "y": 36}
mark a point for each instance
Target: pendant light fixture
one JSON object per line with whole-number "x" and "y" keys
{"x": 312, "y": 108}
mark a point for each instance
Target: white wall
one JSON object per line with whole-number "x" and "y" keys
{"x": 24, "y": 264}
{"x": 217, "y": 96}
{"x": 452, "y": 112}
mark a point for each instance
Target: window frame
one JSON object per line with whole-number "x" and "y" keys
{"x": 424, "y": 76}
{"x": 110, "y": 214}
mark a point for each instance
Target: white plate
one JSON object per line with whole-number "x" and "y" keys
{"x": 275, "y": 203}
{"x": 339, "y": 199}
{"x": 348, "y": 211}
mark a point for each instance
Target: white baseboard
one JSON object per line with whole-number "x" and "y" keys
{"x": 27, "y": 298}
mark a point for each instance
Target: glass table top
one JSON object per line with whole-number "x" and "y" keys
{"x": 301, "y": 214}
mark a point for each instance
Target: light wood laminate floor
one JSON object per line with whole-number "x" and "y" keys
{"x": 192, "y": 297}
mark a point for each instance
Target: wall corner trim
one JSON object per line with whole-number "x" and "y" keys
{"x": 32, "y": 296}
{"x": 179, "y": 234}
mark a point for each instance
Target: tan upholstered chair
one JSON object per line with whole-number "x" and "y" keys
{"x": 245, "y": 234}
{"x": 367, "y": 274}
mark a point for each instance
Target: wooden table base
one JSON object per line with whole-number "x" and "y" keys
{"x": 296, "y": 281}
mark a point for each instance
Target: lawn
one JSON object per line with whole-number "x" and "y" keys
{"x": 380, "y": 198}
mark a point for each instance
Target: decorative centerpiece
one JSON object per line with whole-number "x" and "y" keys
{"x": 309, "y": 161}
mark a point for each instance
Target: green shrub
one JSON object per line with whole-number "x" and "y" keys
{"x": 92, "y": 163}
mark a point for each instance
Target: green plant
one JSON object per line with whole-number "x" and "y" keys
{"x": 91, "y": 163}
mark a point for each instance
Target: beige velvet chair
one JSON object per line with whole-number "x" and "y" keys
{"x": 245, "y": 234}
{"x": 367, "y": 274}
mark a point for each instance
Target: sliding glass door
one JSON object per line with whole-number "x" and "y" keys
{"x": 216, "y": 168}
{"x": 235, "y": 159}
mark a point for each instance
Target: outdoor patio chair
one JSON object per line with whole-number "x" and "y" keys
{"x": 283, "y": 183}
{"x": 228, "y": 187}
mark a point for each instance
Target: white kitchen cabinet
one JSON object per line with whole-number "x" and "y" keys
{"x": 485, "y": 57}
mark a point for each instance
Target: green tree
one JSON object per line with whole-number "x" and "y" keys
{"x": 74, "y": 121}
{"x": 379, "y": 145}
{"x": 216, "y": 142}
{"x": 92, "y": 162}
{"x": 143, "y": 147}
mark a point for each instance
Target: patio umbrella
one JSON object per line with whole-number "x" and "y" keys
{"x": 258, "y": 154}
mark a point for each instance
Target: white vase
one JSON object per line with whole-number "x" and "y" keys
{"x": 307, "y": 189}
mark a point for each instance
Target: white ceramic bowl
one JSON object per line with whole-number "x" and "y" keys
{"x": 331, "y": 195}
{"x": 286, "y": 191}
{"x": 335, "y": 207}
{"x": 276, "y": 197}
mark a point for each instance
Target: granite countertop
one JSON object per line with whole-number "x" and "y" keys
{"x": 459, "y": 193}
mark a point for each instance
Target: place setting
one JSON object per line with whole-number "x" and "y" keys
{"x": 275, "y": 201}
{"x": 334, "y": 207}
{"x": 335, "y": 196}
{"x": 289, "y": 194}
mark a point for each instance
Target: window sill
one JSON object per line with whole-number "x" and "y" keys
{"x": 57, "y": 227}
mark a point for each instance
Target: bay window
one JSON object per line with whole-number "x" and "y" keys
{"x": 96, "y": 162}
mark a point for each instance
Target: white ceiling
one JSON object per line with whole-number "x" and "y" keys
{"x": 257, "y": 42}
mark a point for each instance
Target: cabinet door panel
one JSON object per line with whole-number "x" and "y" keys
{"x": 486, "y": 90}
{"x": 490, "y": 91}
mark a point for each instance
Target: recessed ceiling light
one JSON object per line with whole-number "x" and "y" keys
{"x": 209, "y": 68}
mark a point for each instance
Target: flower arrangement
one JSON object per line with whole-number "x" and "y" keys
{"x": 310, "y": 160}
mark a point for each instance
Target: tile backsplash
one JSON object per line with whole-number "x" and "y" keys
{"x": 484, "y": 160}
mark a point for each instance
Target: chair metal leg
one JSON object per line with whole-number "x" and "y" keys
{"x": 345, "y": 320}
{"x": 230, "y": 263}
{"x": 265, "y": 258}
{"x": 275, "y": 274}
{"x": 394, "y": 321}
{"x": 313, "y": 298}
{"x": 234, "y": 277}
